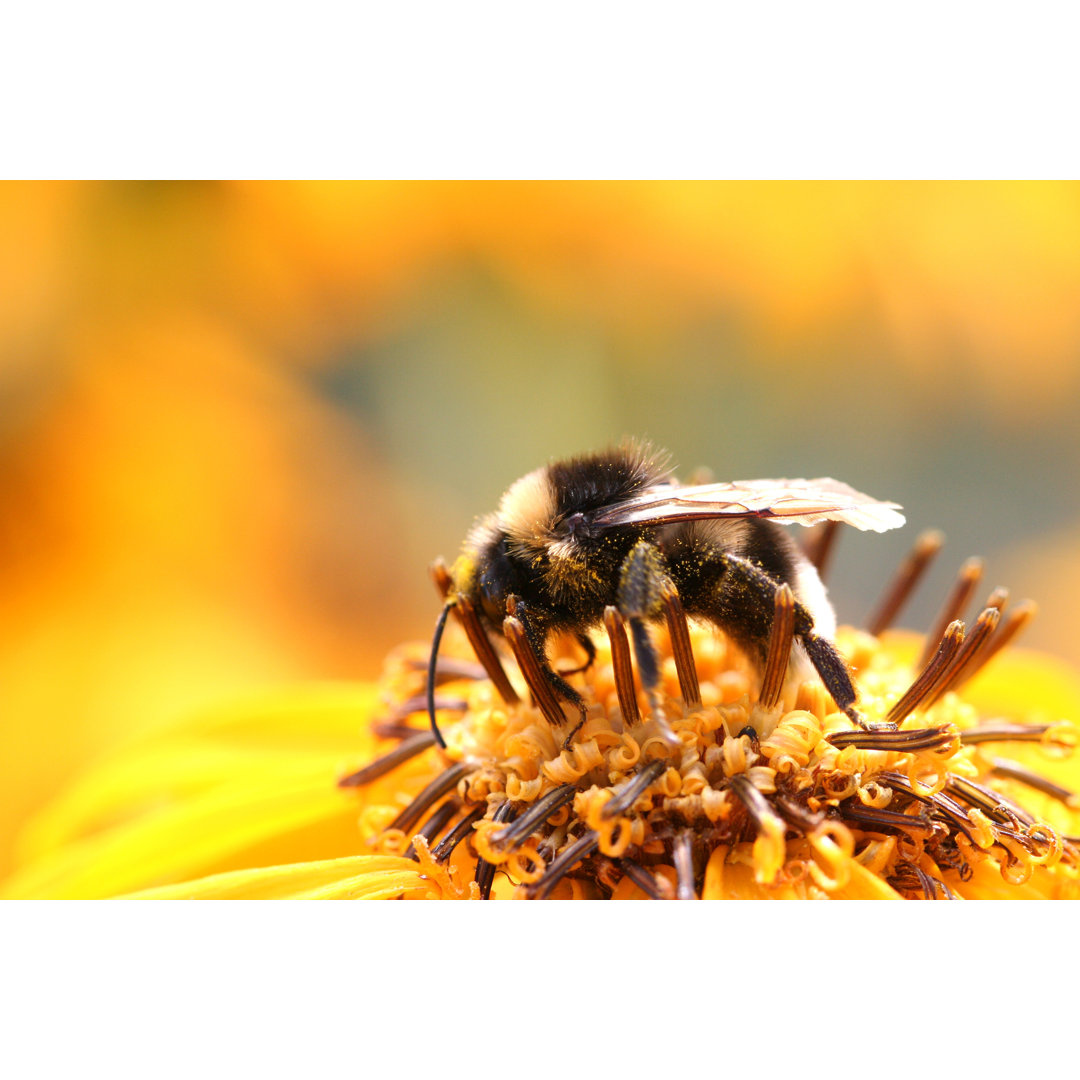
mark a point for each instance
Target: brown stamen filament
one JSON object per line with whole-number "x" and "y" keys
{"x": 1019, "y": 616}
{"x": 801, "y": 818}
{"x": 441, "y": 576}
{"x": 980, "y": 633}
{"x": 622, "y": 669}
{"x": 533, "y": 673}
{"x": 485, "y": 871}
{"x": 445, "y": 847}
{"x": 886, "y": 820}
{"x": 416, "y": 743}
{"x": 820, "y": 546}
{"x": 909, "y": 877}
{"x": 485, "y": 651}
{"x": 938, "y": 666}
{"x": 443, "y": 783}
{"x": 644, "y": 880}
{"x": 1015, "y": 771}
{"x": 392, "y": 727}
{"x": 682, "y": 851}
{"x": 442, "y": 816}
{"x": 945, "y": 805}
{"x": 903, "y": 742}
{"x": 566, "y": 860}
{"x": 756, "y": 804}
{"x": 907, "y": 577}
{"x": 1003, "y": 731}
{"x": 990, "y": 802}
{"x": 449, "y": 668}
{"x": 966, "y": 581}
{"x": 534, "y": 817}
{"x": 681, "y": 650}
{"x": 779, "y": 650}
{"x": 632, "y": 790}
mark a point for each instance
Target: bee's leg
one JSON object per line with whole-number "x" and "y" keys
{"x": 590, "y": 655}
{"x": 748, "y": 608}
{"x": 643, "y": 580}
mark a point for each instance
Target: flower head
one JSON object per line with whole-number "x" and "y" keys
{"x": 727, "y": 783}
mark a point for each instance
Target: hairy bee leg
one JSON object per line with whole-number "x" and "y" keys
{"x": 643, "y": 581}
{"x": 756, "y": 585}
{"x": 590, "y": 655}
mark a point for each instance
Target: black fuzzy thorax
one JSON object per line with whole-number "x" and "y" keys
{"x": 592, "y": 481}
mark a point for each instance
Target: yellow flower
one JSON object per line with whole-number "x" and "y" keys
{"x": 947, "y": 790}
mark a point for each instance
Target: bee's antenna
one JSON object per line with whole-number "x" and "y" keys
{"x": 432, "y": 662}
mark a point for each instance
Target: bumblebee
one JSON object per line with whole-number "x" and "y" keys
{"x": 615, "y": 528}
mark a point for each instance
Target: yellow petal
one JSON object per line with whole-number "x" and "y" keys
{"x": 271, "y": 816}
{"x": 358, "y": 877}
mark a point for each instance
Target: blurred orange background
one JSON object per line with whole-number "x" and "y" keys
{"x": 240, "y": 419}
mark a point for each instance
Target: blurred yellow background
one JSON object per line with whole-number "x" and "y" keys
{"x": 240, "y": 419}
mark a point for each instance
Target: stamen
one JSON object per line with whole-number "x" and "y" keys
{"x": 1003, "y": 731}
{"x": 907, "y": 577}
{"x": 474, "y": 631}
{"x": 392, "y": 727}
{"x": 449, "y": 668}
{"x": 966, "y": 581}
{"x": 904, "y": 742}
{"x": 543, "y": 695}
{"x": 434, "y": 825}
{"x": 888, "y": 820}
{"x": 908, "y": 876}
{"x": 681, "y": 650}
{"x": 769, "y": 846}
{"x": 441, "y": 576}
{"x": 819, "y": 546}
{"x": 990, "y": 802}
{"x": 445, "y": 847}
{"x": 984, "y": 626}
{"x": 1020, "y": 615}
{"x": 567, "y": 859}
{"x": 444, "y": 782}
{"x": 646, "y": 882}
{"x": 683, "y": 856}
{"x": 485, "y": 871}
{"x": 417, "y": 742}
{"x": 801, "y": 818}
{"x": 779, "y": 650}
{"x": 626, "y": 795}
{"x": 485, "y": 652}
{"x": 953, "y": 813}
{"x": 935, "y": 670}
{"x": 524, "y": 826}
{"x": 1015, "y": 771}
{"x": 622, "y": 669}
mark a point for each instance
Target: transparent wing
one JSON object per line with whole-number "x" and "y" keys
{"x": 802, "y": 502}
